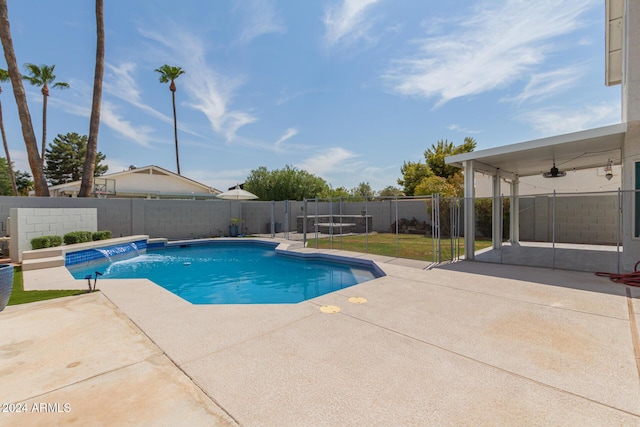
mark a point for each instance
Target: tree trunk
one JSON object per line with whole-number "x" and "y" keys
{"x": 175, "y": 127}
{"x": 12, "y": 175}
{"x": 86, "y": 187}
{"x": 39, "y": 180}
{"x": 45, "y": 95}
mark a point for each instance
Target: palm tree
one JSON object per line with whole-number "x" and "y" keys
{"x": 86, "y": 186}
{"x": 30, "y": 142}
{"x": 170, "y": 74}
{"x": 4, "y": 76}
{"x": 41, "y": 76}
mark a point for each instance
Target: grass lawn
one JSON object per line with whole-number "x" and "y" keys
{"x": 411, "y": 246}
{"x": 20, "y": 296}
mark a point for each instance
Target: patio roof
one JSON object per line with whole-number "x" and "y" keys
{"x": 573, "y": 151}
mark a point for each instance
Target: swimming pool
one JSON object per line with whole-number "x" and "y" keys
{"x": 233, "y": 273}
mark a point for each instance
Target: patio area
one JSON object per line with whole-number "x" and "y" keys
{"x": 467, "y": 343}
{"x": 568, "y": 256}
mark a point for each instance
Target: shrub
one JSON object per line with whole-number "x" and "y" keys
{"x": 484, "y": 217}
{"x": 45, "y": 242}
{"x": 77, "y": 237}
{"x": 101, "y": 235}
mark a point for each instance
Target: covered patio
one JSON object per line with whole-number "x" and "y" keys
{"x": 617, "y": 144}
{"x": 590, "y": 149}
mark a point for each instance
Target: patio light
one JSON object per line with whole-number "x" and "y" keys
{"x": 608, "y": 170}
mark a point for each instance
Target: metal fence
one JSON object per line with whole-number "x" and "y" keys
{"x": 576, "y": 231}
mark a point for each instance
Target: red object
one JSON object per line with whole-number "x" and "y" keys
{"x": 630, "y": 279}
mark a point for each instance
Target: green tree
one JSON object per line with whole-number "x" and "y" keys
{"x": 412, "y": 174}
{"x": 170, "y": 74}
{"x": 4, "y": 77}
{"x": 288, "y": 183}
{"x": 390, "y": 191}
{"x": 42, "y": 76}
{"x": 363, "y": 190}
{"x": 5, "y": 181}
{"x": 334, "y": 193}
{"x": 418, "y": 174}
{"x": 86, "y": 187}
{"x": 435, "y": 185}
{"x": 65, "y": 159}
{"x": 30, "y": 142}
{"x": 24, "y": 183}
{"x": 436, "y": 154}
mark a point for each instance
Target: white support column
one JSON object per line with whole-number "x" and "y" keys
{"x": 631, "y": 62}
{"x": 496, "y": 211}
{"x": 514, "y": 212}
{"x": 630, "y": 115}
{"x": 469, "y": 210}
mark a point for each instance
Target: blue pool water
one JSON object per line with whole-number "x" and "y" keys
{"x": 231, "y": 273}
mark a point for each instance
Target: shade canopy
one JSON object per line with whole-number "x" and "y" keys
{"x": 237, "y": 194}
{"x": 573, "y": 151}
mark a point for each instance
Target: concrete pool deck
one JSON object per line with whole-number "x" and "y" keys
{"x": 463, "y": 344}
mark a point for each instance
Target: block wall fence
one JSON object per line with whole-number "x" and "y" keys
{"x": 28, "y": 223}
{"x": 579, "y": 219}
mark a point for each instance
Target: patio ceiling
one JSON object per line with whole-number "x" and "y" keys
{"x": 573, "y": 151}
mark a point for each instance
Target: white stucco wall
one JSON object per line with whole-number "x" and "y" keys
{"x": 27, "y": 223}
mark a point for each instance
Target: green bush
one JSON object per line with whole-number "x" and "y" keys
{"x": 45, "y": 242}
{"x": 77, "y": 237}
{"x": 484, "y": 217}
{"x": 101, "y": 235}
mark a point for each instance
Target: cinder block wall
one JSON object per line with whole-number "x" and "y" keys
{"x": 579, "y": 219}
{"x": 173, "y": 219}
{"x": 27, "y": 223}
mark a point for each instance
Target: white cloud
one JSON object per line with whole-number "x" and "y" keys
{"x": 109, "y": 116}
{"x": 209, "y": 92}
{"x": 490, "y": 49}
{"x": 120, "y": 83}
{"x": 543, "y": 85}
{"x": 456, "y": 128}
{"x": 326, "y": 161}
{"x": 260, "y": 18}
{"x": 289, "y": 133}
{"x": 346, "y": 23}
{"x": 556, "y": 121}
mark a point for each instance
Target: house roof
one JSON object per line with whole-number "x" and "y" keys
{"x": 573, "y": 151}
{"x": 159, "y": 185}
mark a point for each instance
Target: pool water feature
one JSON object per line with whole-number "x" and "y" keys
{"x": 233, "y": 273}
{"x": 121, "y": 251}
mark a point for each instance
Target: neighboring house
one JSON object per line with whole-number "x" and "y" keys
{"x": 149, "y": 182}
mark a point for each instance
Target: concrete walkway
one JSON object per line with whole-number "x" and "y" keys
{"x": 464, "y": 344}
{"x": 80, "y": 361}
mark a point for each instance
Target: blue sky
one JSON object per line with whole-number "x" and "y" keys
{"x": 345, "y": 89}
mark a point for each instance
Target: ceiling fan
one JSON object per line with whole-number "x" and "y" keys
{"x": 554, "y": 172}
